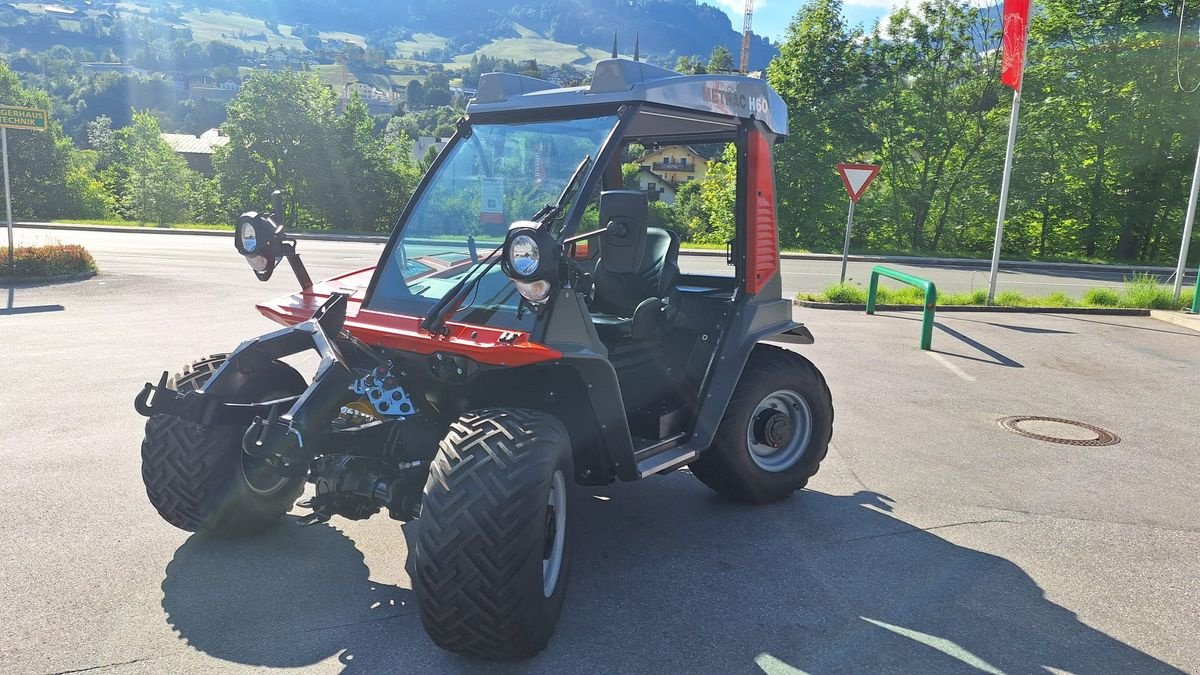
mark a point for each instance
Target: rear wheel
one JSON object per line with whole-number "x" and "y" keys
{"x": 493, "y": 545}
{"x": 198, "y": 478}
{"x": 775, "y": 432}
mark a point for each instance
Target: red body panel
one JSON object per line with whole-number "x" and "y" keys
{"x": 762, "y": 249}
{"x": 403, "y": 333}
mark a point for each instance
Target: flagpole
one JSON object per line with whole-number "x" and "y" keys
{"x": 1188, "y": 219}
{"x": 1008, "y": 162}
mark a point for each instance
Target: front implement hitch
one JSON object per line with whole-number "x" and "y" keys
{"x": 203, "y": 408}
{"x": 289, "y": 427}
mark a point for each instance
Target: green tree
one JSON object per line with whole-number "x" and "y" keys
{"x": 415, "y": 95}
{"x": 159, "y": 180}
{"x": 822, "y": 74}
{"x": 285, "y": 132}
{"x": 934, "y": 113}
{"x": 48, "y": 179}
{"x": 279, "y": 127}
{"x": 721, "y": 60}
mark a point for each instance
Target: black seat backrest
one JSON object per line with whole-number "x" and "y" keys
{"x": 620, "y": 293}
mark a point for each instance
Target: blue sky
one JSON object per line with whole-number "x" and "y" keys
{"x": 771, "y": 17}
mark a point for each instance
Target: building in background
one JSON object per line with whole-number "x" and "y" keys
{"x": 655, "y": 187}
{"x": 675, "y": 164}
{"x": 197, "y": 151}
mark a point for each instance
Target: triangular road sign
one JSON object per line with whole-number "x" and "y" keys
{"x": 857, "y": 177}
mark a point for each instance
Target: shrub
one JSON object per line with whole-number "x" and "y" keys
{"x": 1144, "y": 292}
{"x": 847, "y": 293}
{"x": 905, "y": 295}
{"x": 48, "y": 261}
{"x": 973, "y": 298}
{"x": 1055, "y": 299}
{"x": 1012, "y": 299}
{"x": 1102, "y": 297}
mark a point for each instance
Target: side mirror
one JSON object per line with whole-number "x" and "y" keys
{"x": 625, "y": 215}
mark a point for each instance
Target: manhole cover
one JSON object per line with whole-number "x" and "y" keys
{"x": 1057, "y": 430}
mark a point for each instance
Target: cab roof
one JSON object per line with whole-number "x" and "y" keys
{"x": 622, "y": 80}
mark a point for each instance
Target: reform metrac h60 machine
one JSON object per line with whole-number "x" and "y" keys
{"x": 482, "y": 370}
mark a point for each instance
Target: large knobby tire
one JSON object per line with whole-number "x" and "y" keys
{"x": 775, "y": 431}
{"x": 493, "y": 545}
{"x": 199, "y": 479}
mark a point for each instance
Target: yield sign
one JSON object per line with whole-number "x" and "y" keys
{"x": 857, "y": 177}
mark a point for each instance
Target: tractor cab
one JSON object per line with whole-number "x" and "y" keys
{"x": 531, "y": 325}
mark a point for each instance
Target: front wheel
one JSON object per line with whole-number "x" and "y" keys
{"x": 199, "y": 479}
{"x": 775, "y": 432}
{"x": 493, "y": 548}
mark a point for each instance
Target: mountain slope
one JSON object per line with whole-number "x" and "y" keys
{"x": 667, "y": 28}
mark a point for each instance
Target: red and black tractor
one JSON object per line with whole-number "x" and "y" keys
{"x": 527, "y": 330}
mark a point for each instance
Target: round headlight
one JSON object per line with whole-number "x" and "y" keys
{"x": 534, "y": 291}
{"x": 524, "y": 255}
{"x": 258, "y": 263}
{"x": 248, "y": 236}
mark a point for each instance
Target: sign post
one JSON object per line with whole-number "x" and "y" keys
{"x": 856, "y": 177}
{"x": 16, "y": 117}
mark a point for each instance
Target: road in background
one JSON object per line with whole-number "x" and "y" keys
{"x": 138, "y": 252}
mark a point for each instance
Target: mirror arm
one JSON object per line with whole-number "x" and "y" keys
{"x": 298, "y": 268}
{"x": 586, "y": 235}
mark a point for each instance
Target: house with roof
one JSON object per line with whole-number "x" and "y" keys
{"x": 422, "y": 145}
{"x": 368, "y": 92}
{"x": 657, "y": 189}
{"x": 675, "y": 164}
{"x": 197, "y": 151}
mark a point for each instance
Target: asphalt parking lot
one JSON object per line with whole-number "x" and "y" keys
{"x": 932, "y": 540}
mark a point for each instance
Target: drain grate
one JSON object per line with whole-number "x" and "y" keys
{"x": 1058, "y": 430}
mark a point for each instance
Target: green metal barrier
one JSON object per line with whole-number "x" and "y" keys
{"x": 1196, "y": 297}
{"x": 925, "y": 285}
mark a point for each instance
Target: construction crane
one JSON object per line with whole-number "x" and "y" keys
{"x": 746, "y": 36}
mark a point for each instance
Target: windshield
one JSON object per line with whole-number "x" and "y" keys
{"x": 502, "y": 173}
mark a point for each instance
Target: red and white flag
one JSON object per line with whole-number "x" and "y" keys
{"x": 1012, "y": 64}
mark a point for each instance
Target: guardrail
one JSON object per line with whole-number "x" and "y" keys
{"x": 1196, "y": 296}
{"x": 924, "y": 284}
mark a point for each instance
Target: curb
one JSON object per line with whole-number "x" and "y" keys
{"x": 1184, "y": 319}
{"x": 80, "y": 227}
{"x": 56, "y": 279}
{"x": 1099, "y": 311}
{"x": 979, "y": 263}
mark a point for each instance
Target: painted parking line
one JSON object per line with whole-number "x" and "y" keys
{"x": 950, "y": 366}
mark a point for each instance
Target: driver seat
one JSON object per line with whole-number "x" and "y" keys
{"x": 632, "y": 304}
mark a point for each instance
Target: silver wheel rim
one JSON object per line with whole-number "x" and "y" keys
{"x": 556, "y": 533}
{"x": 266, "y": 488}
{"x": 783, "y": 407}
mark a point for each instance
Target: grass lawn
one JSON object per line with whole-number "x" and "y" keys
{"x": 338, "y": 76}
{"x": 221, "y": 26}
{"x": 532, "y": 45}
{"x": 150, "y": 226}
{"x": 421, "y": 42}
{"x": 353, "y": 38}
{"x": 1140, "y": 292}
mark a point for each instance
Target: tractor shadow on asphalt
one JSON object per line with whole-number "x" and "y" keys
{"x": 282, "y": 599}
{"x": 666, "y": 578}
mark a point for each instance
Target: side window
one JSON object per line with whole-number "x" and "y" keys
{"x": 697, "y": 200}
